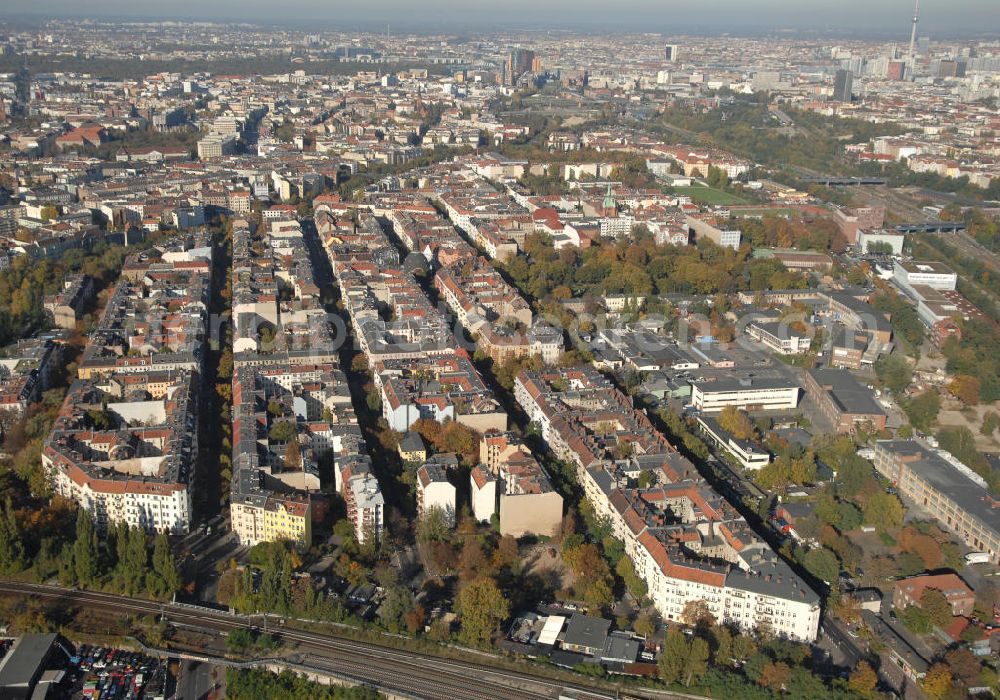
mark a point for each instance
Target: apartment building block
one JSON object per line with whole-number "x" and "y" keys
{"x": 124, "y": 448}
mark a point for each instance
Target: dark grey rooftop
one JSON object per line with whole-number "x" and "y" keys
{"x": 946, "y": 479}
{"x": 846, "y": 391}
{"x": 23, "y": 660}
{"x": 587, "y": 631}
{"x": 412, "y": 442}
{"x": 862, "y": 309}
{"x": 621, "y": 646}
{"x": 895, "y": 638}
{"x": 772, "y": 577}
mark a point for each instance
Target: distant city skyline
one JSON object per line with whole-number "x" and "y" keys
{"x": 941, "y": 17}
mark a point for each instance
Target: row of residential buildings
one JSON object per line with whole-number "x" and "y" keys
{"x": 291, "y": 403}
{"x": 419, "y": 368}
{"x": 685, "y": 541}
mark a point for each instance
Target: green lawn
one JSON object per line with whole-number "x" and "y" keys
{"x": 763, "y": 211}
{"x": 708, "y": 195}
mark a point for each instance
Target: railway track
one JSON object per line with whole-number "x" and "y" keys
{"x": 406, "y": 672}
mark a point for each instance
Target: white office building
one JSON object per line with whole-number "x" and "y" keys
{"x": 932, "y": 274}
{"x": 748, "y": 394}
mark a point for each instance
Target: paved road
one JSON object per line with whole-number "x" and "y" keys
{"x": 839, "y": 638}
{"x": 409, "y": 673}
{"x": 195, "y": 681}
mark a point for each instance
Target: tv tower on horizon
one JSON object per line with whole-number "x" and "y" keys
{"x": 911, "y": 57}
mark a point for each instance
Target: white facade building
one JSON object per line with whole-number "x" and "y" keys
{"x": 365, "y": 507}
{"x": 483, "y": 486}
{"x": 932, "y": 274}
{"x": 434, "y": 491}
{"x": 153, "y": 507}
{"x": 778, "y": 337}
{"x": 748, "y": 394}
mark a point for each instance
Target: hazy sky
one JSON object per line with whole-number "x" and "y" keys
{"x": 937, "y": 16}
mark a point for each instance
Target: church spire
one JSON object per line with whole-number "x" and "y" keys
{"x": 609, "y": 203}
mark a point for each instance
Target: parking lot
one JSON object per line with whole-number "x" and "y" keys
{"x": 116, "y": 674}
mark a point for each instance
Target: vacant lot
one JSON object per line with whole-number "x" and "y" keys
{"x": 971, "y": 417}
{"x": 546, "y": 562}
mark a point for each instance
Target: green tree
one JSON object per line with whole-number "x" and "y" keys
{"x": 863, "y": 680}
{"x": 433, "y": 526}
{"x": 991, "y": 421}
{"x": 683, "y": 660}
{"x": 239, "y": 640}
{"x": 903, "y": 317}
{"x": 282, "y": 431}
{"x": 884, "y": 511}
{"x": 922, "y": 410}
{"x": 717, "y": 177}
{"x": 483, "y": 607}
{"x": 397, "y": 605}
{"x": 962, "y": 444}
{"x": 85, "y": 552}
{"x": 722, "y": 639}
{"x": 169, "y": 580}
{"x": 743, "y": 647}
{"x": 952, "y": 554}
{"x": 133, "y": 567}
{"x": 673, "y": 657}
{"x": 915, "y": 619}
{"x": 895, "y": 372}
{"x": 736, "y": 422}
{"x": 644, "y": 626}
{"x": 597, "y": 593}
{"x": 936, "y": 605}
{"x": 697, "y": 660}
{"x": 11, "y": 544}
{"x": 255, "y": 683}
{"x": 853, "y": 475}
{"x": 848, "y": 516}
{"x": 626, "y": 570}
{"x": 821, "y": 563}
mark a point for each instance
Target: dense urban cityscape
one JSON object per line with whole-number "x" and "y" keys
{"x": 498, "y": 363}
